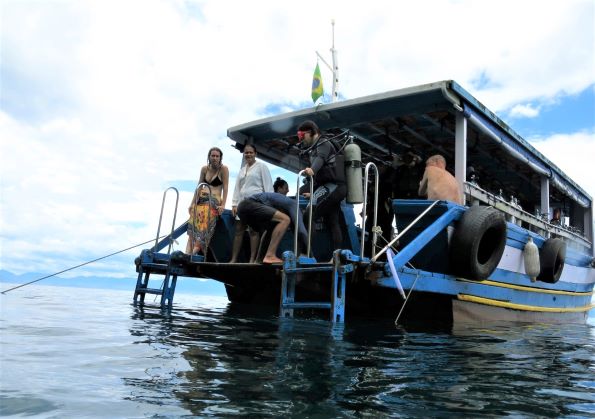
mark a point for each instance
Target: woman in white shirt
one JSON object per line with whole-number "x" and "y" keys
{"x": 254, "y": 177}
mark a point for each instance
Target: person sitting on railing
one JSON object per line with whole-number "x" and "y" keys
{"x": 437, "y": 183}
{"x": 260, "y": 210}
{"x": 201, "y": 226}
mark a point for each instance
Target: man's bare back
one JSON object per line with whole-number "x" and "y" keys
{"x": 437, "y": 183}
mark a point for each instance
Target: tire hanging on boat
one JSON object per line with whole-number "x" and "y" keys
{"x": 551, "y": 257}
{"x": 478, "y": 242}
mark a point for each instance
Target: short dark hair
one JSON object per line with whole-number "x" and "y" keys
{"x": 309, "y": 126}
{"x": 279, "y": 183}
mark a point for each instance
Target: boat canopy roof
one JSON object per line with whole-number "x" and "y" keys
{"x": 421, "y": 120}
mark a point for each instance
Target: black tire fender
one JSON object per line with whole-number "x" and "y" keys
{"x": 551, "y": 257}
{"x": 478, "y": 242}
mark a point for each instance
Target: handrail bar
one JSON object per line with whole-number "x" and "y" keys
{"x": 405, "y": 230}
{"x": 364, "y": 208}
{"x": 161, "y": 217}
{"x": 297, "y": 213}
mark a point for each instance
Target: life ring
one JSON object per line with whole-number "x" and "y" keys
{"x": 478, "y": 242}
{"x": 551, "y": 257}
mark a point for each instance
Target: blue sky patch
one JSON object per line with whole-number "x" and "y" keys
{"x": 182, "y": 185}
{"x": 568, "y": 114}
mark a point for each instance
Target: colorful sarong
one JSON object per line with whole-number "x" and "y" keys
{"x": 201, "y": 225}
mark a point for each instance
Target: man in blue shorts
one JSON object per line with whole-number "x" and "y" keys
{"x": 260, "y": 210}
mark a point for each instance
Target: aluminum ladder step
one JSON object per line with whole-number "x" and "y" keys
{"x": 156, "y": 291}
{"x": 322, "y": 305}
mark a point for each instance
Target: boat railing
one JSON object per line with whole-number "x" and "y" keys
{"x": 173, "y": 224}
{"x": 405, "y": 230}
{"x": 364, "y": 209}
{"x": 540, "y": 226}
{"x": 297, "y": 213}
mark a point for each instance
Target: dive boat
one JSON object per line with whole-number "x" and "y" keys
{"x": 498, "y": 257}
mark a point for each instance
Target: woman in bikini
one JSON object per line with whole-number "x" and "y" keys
{"x": 204, "y": 211}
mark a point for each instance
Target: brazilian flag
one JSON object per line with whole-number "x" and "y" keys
{"x": 317, "y": 89}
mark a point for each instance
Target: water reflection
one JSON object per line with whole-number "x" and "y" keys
{"x": 242, "y": 361}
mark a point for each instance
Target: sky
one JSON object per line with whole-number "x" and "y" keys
{"x": 105, "y": 104}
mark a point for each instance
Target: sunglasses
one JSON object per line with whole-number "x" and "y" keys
{"x": 301, "y": 135}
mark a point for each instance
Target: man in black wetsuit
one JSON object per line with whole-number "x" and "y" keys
{"x": 329, "y": 189}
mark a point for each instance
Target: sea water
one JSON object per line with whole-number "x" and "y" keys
{"x": 74, "y": 352}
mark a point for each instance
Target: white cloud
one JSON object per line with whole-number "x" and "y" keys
{"x": 523, "y": 111}
{"x": 103, "y": 103}
{"x": 573, "y": 154}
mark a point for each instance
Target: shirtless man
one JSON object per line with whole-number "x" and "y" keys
{"x": 437, "y": 183}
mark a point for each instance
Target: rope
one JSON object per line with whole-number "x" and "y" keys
{"x": 394, "y": 249}
{"x": 78, "y": 266}
{"x": 406, "y": 299}
{"x": 410, "y": 289}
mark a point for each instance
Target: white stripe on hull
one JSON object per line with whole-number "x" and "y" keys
{"x": 512, "y": 260}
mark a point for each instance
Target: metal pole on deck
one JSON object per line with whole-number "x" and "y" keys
{"x": 335, "y": 67}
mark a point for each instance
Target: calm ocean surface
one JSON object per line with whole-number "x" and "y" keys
{"x": 76, "y": 352}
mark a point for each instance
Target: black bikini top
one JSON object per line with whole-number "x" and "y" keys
{"x": 216, "y": 181}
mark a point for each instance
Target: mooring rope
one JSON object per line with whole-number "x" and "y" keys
{"x": 78, "y": 266}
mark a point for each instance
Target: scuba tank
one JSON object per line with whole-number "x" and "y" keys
{"x": 353, "y": 173}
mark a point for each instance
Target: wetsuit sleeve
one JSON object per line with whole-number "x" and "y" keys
{"x": 322, "y": 154}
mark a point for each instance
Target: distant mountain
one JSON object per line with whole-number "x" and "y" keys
{"x": 184, "y": 285}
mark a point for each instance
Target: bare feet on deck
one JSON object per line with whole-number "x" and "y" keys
{"x": 272, "y": 259}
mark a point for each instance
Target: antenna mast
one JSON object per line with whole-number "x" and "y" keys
{"x": 335, "y": 67}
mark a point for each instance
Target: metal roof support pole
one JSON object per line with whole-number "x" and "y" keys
{"x": 588, "y": 226}
{"x": 461, "y": 152}
{"x": 545, "y": 197}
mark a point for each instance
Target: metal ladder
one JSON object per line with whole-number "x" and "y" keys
{"x": 288, "y": 283}
{"x": 153, "y": 262}
{"x": 292, "y": 266}
{"x": 342, "y": 264}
